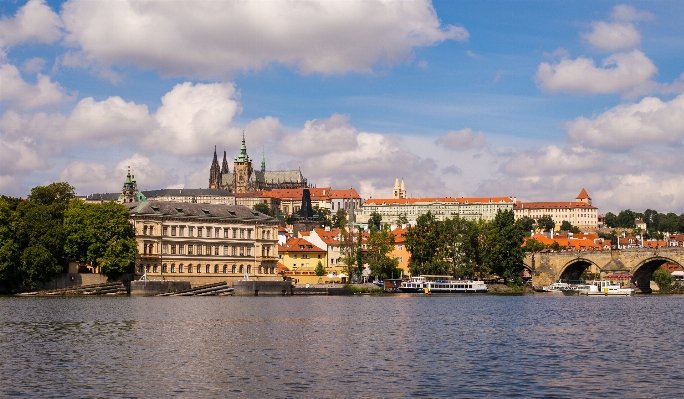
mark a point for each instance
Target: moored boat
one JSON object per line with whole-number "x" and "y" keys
{"x": 556, "y": 288}
{"x": 598, "y": 287}
{"x": 442, "y": 285}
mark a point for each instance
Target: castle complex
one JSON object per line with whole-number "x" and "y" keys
{"x": 244, "y": 179}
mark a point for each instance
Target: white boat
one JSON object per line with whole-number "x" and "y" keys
{"x": 556, "y": 288}
{"x": 598, "y": 287}
{"x": 442, "y": 285}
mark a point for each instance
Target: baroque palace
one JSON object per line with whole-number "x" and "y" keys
{"x": 244, "y": 179}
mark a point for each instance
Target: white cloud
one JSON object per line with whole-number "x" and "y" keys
{"x": 623, "y": 12}
{"x": 625, "y": 73}
{"x": 34, "y": 22}
{"x": 613, "y": 35}
{"x": 209, "y": 39}
{"x": 26, "y": 96}
{"x": 193, "y": 118}
{"x": 651, "y": 121}
{"x": 18, "y": 156}
{"x": 321, "y": 136}
{"x": 462, "y": 140}
{"x": 552, "y": 160}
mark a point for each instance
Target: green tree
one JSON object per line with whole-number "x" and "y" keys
{"x": 100, "y": 234}
{"x": 375, "y": 219}
{"x": 506, "y": 256}
{"x": 625, "y": 219}
{"x": 611, "y": 220}
{"x": 351, "y": 250}
{"x": 9, "y": 246}
{"x": 663, "y": 278}
{"x": 402, "y": 219}
{"x": 669, "y": 223}
{"x": 324, "y": 215}
{"x": 566, "y": 226}
{"x": 422, "y": 241}
{"x": 546, "y": 223}
{"x": 527, "y": 223}
{"x": 339, "y": 218}
{"x": 533, "y": 245}
{"x": 263, "y": 208}
{"x": 380, "y": 245}
{"x": 320, "y": 270}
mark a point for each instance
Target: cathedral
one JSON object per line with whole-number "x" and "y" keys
{"x": 244, "y": 179}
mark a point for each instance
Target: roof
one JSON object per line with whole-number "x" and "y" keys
{"x": 188, "y": 209}
{"x": 400, "y": 235}
{"x": 412, "y": 201}
{"x": 556, "y": 205}
{"x": 328, "y": 237}
{"x": 350, "y": 193}
{"x": 298, "y": 245}
{"x": 166, "y": 192}
{"x": 583, "y": 194}
{"x": 317, "y": 194}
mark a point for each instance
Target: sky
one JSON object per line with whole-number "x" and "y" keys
{"x": 529, "y": 99}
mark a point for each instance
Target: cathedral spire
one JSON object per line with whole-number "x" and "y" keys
{"x": 263, "y": 161}
{"x": 224, "y": 166}
{"x": 215, "y": 173}
{"x": 243, "y": 157}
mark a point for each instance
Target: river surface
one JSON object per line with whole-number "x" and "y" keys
{"x": 342, "y": 347}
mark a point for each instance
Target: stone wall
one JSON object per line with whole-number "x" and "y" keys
{"x": 258, "y": 288}
{"x": 151, "y": 288}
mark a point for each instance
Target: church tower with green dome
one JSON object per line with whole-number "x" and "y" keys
{"x": 129, "y": 192}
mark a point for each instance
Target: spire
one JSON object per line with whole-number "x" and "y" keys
{"x": 243, "y": 157}
{"x": 224, "y": 166}
{"x": 396, "y": 184}
{"x": 403, "y": 188}
{"x": 215, "y": 173}
{"x": 215, "y": 158}
{"x": 263, "y": 161}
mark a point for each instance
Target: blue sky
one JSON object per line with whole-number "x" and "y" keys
{"x": 532, "y": 99}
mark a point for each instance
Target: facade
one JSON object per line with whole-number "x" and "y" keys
{"x": 579, "y": 213}
{"x": 245, "y": 179}
{"x": 329, "y": 240}
{"x": 258, "y": 197}
{"x": 203, "y": 243}
{"x": 393, "y": 209}
{"x": 322, "y": 198}
{"x": 400, "y": 253}
{"x": 300, "y": 257}
{"x": 347, "y": 200}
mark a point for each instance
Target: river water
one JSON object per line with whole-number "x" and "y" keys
{"x": 342, "y": 347}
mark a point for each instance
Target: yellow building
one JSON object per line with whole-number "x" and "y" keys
{"x": 400, "y": 253}
{"x": 300, "y": 257}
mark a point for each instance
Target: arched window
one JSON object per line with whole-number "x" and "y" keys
{"x": 259, "y": 269}
{"x": 164, "y": 268}
{"x": 173, "y": 268}
{"x": 216, "y": 269}
{"x": 249, "y": 269}
{"x": 147, "y": 268}
{"x": 190, "y": 268}
{"x": 154, "y": 268}
{"x": 225, "y": 269}
{"x": 199, "y": 268}
{"x": 207, "y": 268}
{"x": 233, "y": 269}
{"x": 180, "y": 268}
{"x": 272, "y": 270}
{"x": 241, "y": 269}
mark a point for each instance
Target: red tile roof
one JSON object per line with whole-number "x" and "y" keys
{"x": 345, "y": 194}
{"x": 583, "y": 194}
{"x": 546, "y": 205}
{"x": 410, "y": 201}
{"x": 317, "y": 194}
{"x": 298, "y": 245}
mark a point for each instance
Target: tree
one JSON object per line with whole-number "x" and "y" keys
{"x": 351, "y": 249}
{"x": 663, "y": 278}
{"x": 102, "y": 235}
{"x": 324, "y": 215}
{"x": 320, "y": 270}
{"x": 565, "y": 226}
{"x": 339, "y": 218}
{"x": 626, "y": 219}
{"x": 402, "y": 219}
{"x": 546, "y": 223}
{"x": 527, "y": 223}
{"x": 375, "y": 219}
{"x": 533, "y": 245}
{"x": 380, "y": 245}
{"x": 422, "y": 243}
{"x": 263, "y": 208}
{"x": 669, "y": 223}
{"x": 611, "y": 220}
{"x": 506, "y": 256}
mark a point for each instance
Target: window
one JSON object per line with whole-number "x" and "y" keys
{"x": 165, "y": 230}
{"x": 164, "y": 249}
{"x": 180, "y": 268}
{"x": 268, "y": 234}
{"x": 216, "y": 250}
{"x": 225, "y": 250}
{"x": 234, "y": 233}
{"x": 190, "y": 268}
{"x": 241, "y": 269}
{"x": 233, "y": 251}
{"x": 199, "y": 268}
{"x": 144, "y": 230}
{"x": 208, "y": 250}
{"x": 249, "y": 233}
{"x": 173, "y": 230}
{"x": 164, "y": 268}
{"x": 294, "y": 256}
{"x": 216, "y": 232}
{"x": 173, "y": 268}
{"x": 181, "y": 249}
{"x": 190, "y": 247}
{"x": 399, "y": 247}
{"x": 154, "y": 268}
{"x": 216, "y": 269}
{"x": 249, "y": 251}
{"x": 233, "y": 269}
{"x": 263, "y": 234}
{"x": 225, "y": 233}
{"x": 207, "y": 268}
{"x": 242, "y": 251}
{"x": 173, "y": 249}
{"x": 191, "y": 231}
{"x": 242, "y": 233}
{"x": 208, "y": 232}
{"x": 147, "y": 268}
{"x": 225, "y": 269}
{"x": 259, "y": 269}
{"x": 249, "y": 269}
{"x": 181, "y": 231}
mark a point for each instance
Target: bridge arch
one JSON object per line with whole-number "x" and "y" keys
{"x": 573, "y": 269}
{"x": 643, "y": 272}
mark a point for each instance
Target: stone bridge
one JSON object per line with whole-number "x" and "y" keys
{"x": 548, "y": 267}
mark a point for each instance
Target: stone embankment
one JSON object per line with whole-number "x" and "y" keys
{"x": 115, "y": 288}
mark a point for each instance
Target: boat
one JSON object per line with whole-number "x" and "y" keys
{"x": 442, "y": 285}
{"x": 556, "y": 288}
{"x": 598, "y": 287}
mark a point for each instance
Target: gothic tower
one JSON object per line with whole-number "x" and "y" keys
{"x": 215, "y": 173}
{"x": 263, "y": 161}
{"x": 242, "y": 170}
{"x": 224, "y": 167}
{"x": 402, "y": 189}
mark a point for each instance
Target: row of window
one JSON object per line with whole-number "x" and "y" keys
{"x": 192, "y": 231}
{"x": 199, "y": 249}
{"x": 207, "y": 269}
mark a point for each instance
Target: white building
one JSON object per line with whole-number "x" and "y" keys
{"x": 579, "y": 213}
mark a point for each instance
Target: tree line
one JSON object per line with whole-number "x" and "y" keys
{"x": 656, "y": 222}
{"x": 40, "y": 234}
{"x": 465, "y": 248}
